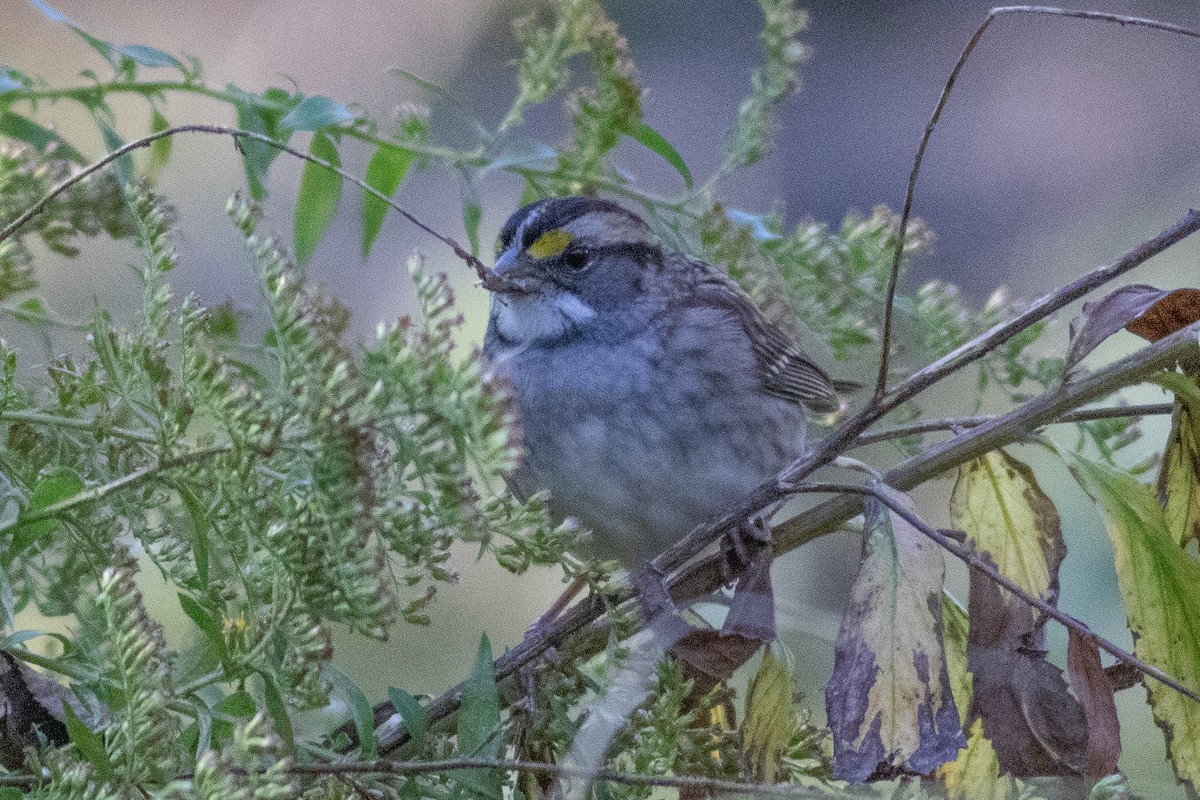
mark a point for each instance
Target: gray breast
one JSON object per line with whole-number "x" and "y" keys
{"x": 646, "y": 438}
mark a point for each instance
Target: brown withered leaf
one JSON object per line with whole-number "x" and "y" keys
{"x": 1149, "y": 312}
{"x": 1095, "y": 692}
{"x": 889, "y": 701}
{"x": 1175, "y": 311}
{"x": 1036, "y": 726}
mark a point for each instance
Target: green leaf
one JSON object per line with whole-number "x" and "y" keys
{"x": 320, "y": 191}
{"x": 768, "y": 719}
{"x": 645, "y": 135}
{"x": 53, "y": 487}
{"x": 416, "y": 718}
{"x": 998, "y": 503}
{"x": 260, "y": 115}
{"x": 1179, "y": 475}
{"x": 28, "y": 131}
{"x": 238, "y": 704}
{"x": 209, "y": 624}
{"x": 123, "y": 166}
{"x": 479, "y": 723}
{"x": 889, "y": 700}
{"x": 279, "y": 711}
{"x": 160, "y": 149}
{"x": 954, "y": 638}
{"x": 1160, "y": 584}
{"x": 316, "y": 112}
{"x": 472, "y": 210}
{"x": 385, "y": 173}
{"x": 149, "y": 56}
{"x": 89, "y": 743}
{"x": 200, "y": 524}
{"x": 360, "y": 711}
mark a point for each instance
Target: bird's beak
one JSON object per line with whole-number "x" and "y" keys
{"x": 516, "y": 274}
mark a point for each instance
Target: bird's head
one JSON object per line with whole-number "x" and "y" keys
{"x": 566, "y": 262}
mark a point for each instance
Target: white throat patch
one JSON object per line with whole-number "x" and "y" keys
{"x": 545, "y": 316}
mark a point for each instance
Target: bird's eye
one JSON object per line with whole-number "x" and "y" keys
{"x": 577, "y": 257}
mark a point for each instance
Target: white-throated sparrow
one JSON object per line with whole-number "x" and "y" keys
{"x": 651, "y": 393}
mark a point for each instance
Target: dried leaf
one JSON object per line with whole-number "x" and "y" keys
{"x": 1095, "y": 692}
{"x": 998, "y": 503}
{"x": 1160, "y": 584}
{"x": 1036, "y": 726}
{"x": 1149, "y": 312}
{"x": 1175, "y": 311}
{"x": 768, "y": 718}
{"x": 1179, "y": 475}
{"x": 889, "y": 701}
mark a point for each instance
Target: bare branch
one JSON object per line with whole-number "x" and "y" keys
{"x": 963, "y": 423}
{"x": 490, "y": 279}
{"x": 935, "y": 117}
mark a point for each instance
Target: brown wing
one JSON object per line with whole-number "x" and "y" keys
{"x": 784, "y": 369}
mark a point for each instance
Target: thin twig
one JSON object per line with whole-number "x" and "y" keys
{"x": 490, "y": 279}
{"x": 386, "y": 767}
{"x": 935, "y": 117}
{"x": 76, "y": 423}
{"x": 965, "y": 554}
{"x": 957, "y": 423}
{"x": 138, "y": 476}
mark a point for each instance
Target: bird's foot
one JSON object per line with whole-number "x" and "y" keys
{"x": 741, "y": 546}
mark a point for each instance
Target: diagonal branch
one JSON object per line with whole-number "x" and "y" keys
{"x": 489, "y": 279}
{"x": 935, "y": 117}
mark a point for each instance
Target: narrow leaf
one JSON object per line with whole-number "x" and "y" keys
{"x": 645, "y": 135}
{"x": 320, "y": 191}
{"x": 316, "y": 112}
{"x": 360, "y": 710}
{"x": 479, "y": 723}
{"x": 416, "y": 718}
{"x": 1160, "y": 584}
{"x": 472, "y": 210}
{"x": 123, "y": 166}
{"x": 277, "y": 707}
{"x": 160, "y": 149}
{"x": 889, "y": 701}
{"x": 26, "y": 130}
{"x": 385, "y": 173}
{"x": 149, "y": 56}
{"x": 1095, "y": 692}
{"x": 89, "y": 743}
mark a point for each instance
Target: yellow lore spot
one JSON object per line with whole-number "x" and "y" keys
{"x": 550, "y": 243}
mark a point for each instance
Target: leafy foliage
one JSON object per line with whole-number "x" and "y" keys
{"x": 286, "y": 486}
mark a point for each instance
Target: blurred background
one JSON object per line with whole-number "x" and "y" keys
{"x": 1066, "y": 143}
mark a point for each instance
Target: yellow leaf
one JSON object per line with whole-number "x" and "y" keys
{"x": 998, "y": 503}
{"x": 1160, "y": 583}
{"x": 1179, "y": 480}
{"x": 768, "y": 717}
